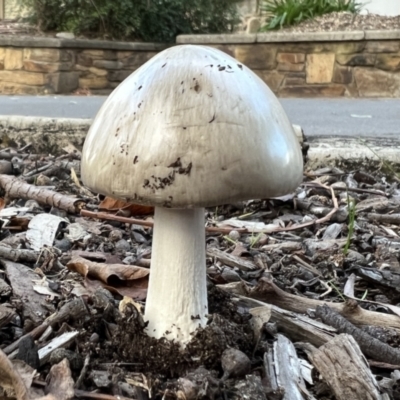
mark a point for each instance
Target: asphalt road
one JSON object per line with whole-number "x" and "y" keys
{"x": 318, "y": 117}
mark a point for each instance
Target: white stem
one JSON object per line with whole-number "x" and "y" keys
{"x": 176, "y": 302}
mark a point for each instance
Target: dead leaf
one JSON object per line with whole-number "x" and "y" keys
{"x": 110, "y": 204}
{"x": 10, "y": 380}
{"x": 59, "y": 381}
{"x": 126, "y": 280}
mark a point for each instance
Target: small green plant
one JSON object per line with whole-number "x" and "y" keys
{"x": 336, "y": 289}
{"x": 290, "y": 12}
{"x": 351, "y": 204}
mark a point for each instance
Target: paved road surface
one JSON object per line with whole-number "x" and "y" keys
{"x": 318, "y": 117}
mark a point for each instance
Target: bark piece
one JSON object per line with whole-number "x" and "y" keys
{"x": 22, "y": 255}
{"x": 385, "y": 218}
{"x": 6, "y": 315}
{"x": 231, "y": 260}
{"x": 250, "y": 388}
{"x": 344, "y": 368}
{"x": 370, "y": 346}
{"x": 381, "y": 277}
{"x": 320, "y": 211}
{"x": 5, "y": 289}
{"x": 268, "y": 292}
{"x": 284, "y": 246}
{"x": 75, "y": 308}
{"x": 28, "y": 352}
{"x": 297, "y": 327}
{"x": 17, "y": 189}
{"x": 21, "y": 279}
{"x": 283, "y": 368}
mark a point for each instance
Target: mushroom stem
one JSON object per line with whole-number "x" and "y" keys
{"x": 176, "y": 302}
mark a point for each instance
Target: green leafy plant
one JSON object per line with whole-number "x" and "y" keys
{"x": 290, "y": 12}
{"x": 148, "y": 20}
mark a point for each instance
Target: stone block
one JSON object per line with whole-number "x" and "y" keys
{"x": 362, "y": 60}
{"x": 136, "y": 59}
{"x": 273, "y": 79}
{"x": 376, "y": 83}
{"x": 84, "y": 59}
{"x": 388, "y": 62}
{"x": 118, "y": 76}
{"x": 349, "y": 47}
{"x": 313, "y": 91}
{"x": 319, "y": 67}
{"x": 307, "y": 47}
{"x": 2, "y": 53}
{"x": 291, "y": 58}
{"x": 16, "y": 88}
{"x": 108, "y": 64}
{"x": 260, "y": 56}
{"x": 23, "y": 77}
{"x": 94, "y": 54}
{"x": 342, "y": 74}
{"x": 64, "y": 82}
{"x": 13, "y": 59}
{"x": 38, "y": 66}
{"x": 98, "y": 72}
{"x": 42, "y": 55}
{"x": 99, "y": 82}
{"x": 1, "y": 65}
{"x": 290, "y": 67}
{"x": 295, "y": 79}
{"x": 379, "y": 46}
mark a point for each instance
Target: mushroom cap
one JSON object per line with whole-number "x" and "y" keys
{"x": 192, "y": 127}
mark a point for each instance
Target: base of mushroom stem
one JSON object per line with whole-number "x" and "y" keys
{"x": 176, "y": 302}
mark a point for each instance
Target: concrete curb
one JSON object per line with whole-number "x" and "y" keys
{"x": 47, "y": 135}
{"x": 50, "y": 135}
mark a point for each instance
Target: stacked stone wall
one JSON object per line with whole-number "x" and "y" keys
{"x": 293, "y": 65}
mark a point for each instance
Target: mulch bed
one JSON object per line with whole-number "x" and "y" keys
{"x": 303, "y": 291}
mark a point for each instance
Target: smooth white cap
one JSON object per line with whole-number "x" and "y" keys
{"x": 192, "y": 127}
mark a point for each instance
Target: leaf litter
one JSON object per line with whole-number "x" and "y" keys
{"x": 297, "y": 286}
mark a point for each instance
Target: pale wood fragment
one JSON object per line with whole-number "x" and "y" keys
{"x": 267, "y": 292}
{"x": 59, "y": 341}
{"x": 344, "y": 368}
{"x": 283, "y": 369}
{"x": 296, "y": 326}
{"x": 231, "y": 260}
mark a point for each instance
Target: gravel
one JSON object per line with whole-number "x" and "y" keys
{"x": 344, "y": 21}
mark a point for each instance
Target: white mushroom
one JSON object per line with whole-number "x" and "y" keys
{"x": 191, "y": 128}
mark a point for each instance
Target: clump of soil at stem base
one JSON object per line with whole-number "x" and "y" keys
{"x": 227, "y": 328}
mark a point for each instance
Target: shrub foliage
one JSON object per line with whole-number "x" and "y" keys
{"x": 148, "y": 20}
{"x": 290, "y": 12}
